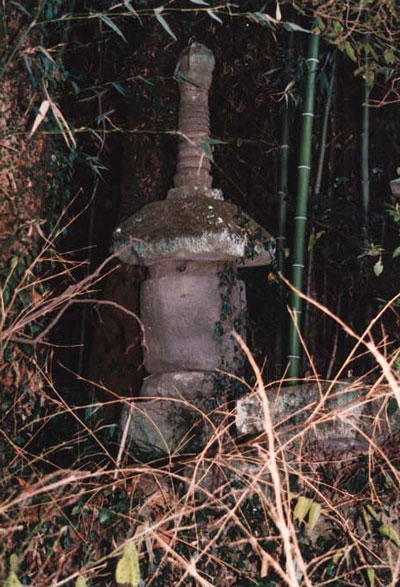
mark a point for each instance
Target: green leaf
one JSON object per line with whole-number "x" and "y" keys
{"x": 371, "y": 576}
{"x": 14, "y": 563}
{"x": 302, "y": 508}
{"x": 12, "y": 581}
{"x": 314, "y": 514}
{"x": 80, "y": 582}
{"x": 128, "y": 569}
{"x": 389, "y": 57}
{"x": 202, "y": 2}
{"x": 350, "y": 51}
{"x": 373, "y": 513}
{"x": 389, "y": 532}
{"x": 396, "y": 252}
{"x": 104, "y": 515}
{"x": 113, "y": 26}
{"x": 163, "y": 22}
{"x": 378, "y": 267}
{"x": 366, "y": 519}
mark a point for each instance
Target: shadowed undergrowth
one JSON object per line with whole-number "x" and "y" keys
{"x": 257, "y": 510}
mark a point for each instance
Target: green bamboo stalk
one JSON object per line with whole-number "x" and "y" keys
{"x": 282, "y": 214}
{"x": 365, "y": 158}
{"x": 318, "y": 182}
{"x": 303, "y": 184}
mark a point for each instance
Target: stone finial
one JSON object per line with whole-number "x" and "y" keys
{"x": 193, "y": 177}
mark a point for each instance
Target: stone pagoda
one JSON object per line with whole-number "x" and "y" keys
{"x": 192, "y": 244}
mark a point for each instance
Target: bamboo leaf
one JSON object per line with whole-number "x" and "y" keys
{"x": 120, "y": 89}
{"x": 292, "y": 26}
{"x": 302, "y": 508}
{"x": 389, "y": 532}
{"x": 41, "y": 115}
{"x": 366, "y": 519}
{"x": 214, "y": 16}
{"x": 163, "y": 22}
{"x": 128, "y": 569}
{"x": 20, "y": 7}
{"x": 202, "y": 2}
{"x": 371, "y": 576}
{"x": 128, "y": 5}
{"x": 350, "y": 52}
{"x": 112, "y": 26}
{"x": 373, "y": 513}
{"x": 314, "y": 514}
{"x": 378, "y": 267}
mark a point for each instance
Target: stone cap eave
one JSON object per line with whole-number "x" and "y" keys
{"x": 197, "y": 228}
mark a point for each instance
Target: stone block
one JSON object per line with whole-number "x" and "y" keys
{"x": 189, "y": 311}
{"x": 339, "y": 417}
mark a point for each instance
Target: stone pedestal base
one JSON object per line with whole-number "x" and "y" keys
{"x": 175, "y": 414}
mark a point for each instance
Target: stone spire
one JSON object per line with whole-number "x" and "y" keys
{"x": 195, "y": 69}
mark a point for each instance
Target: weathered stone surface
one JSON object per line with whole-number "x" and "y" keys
{"x": 199, "y": 228}
{"x": 340, "y": 420}
{"x": 194, "y": 72}
{"x": 177, "y": 418}
{"x": 189, "y": 310}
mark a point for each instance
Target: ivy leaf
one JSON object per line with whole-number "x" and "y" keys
{"x": 163, "y": 22}
{"x": 104, "y": 515}
{"x": 128, "y": 569}
{"x": 113, "y": 26}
